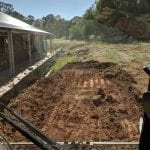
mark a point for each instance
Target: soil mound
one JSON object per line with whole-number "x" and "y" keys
{"x": 88, "y": 101}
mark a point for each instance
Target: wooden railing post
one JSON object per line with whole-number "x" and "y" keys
{"x": 29, "y": 42}
{"x": 11, "y": 53}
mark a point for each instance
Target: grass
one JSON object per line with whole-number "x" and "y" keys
{"x": 139, "y": 57}
{"x": 112, "y": 56}
{"x": 142, "y": 59}
{"x": 66, "y": 44}
{"x": 109, "y": 52}
{"x": 63, "y": 61}
{"x": 100, "y": 51}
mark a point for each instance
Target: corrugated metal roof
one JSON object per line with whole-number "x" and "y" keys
{"x": 10, "y": 22}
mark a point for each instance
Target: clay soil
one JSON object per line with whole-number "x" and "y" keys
{"x": 88, "y": 101}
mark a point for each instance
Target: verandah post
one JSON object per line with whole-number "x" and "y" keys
{"x": 11, "y": 53}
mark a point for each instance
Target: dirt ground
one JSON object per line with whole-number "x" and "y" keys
{"x": 88, "y": 101}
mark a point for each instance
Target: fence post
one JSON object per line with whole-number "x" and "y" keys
{"x": 11, "y": 53}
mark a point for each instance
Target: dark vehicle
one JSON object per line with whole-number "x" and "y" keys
{"x": 145, "y": 134}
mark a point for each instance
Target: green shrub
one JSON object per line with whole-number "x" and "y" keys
{"x": 63, "y": 61}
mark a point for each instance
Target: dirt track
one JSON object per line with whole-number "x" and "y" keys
{"x": 88, "y": 101}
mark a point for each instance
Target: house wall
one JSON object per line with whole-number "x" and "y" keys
{"x": 4, "y": 61}
{"x": 4, "y": 55}
{"x": 20, "y": 47}
{"x": 35, "y": 50}
{"x": 24, "y": 44}
{"x": 20, "y": 44}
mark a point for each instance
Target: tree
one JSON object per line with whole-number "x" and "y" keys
{"x": 6, "y": 8}
{"x": 76, "y": 32}
{"x": 90, "y": 13}
{"x": 91, "y": 27}
{"x": 134, "y": 7}
{"x": 38, "y": 23}
{"x": 30, "y": 19}
{"x": 18, "y": 15}
{"x": 75, "y": 20}
{"x": 48, "y": 19}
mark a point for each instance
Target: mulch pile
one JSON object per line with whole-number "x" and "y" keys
{"x": 89, "y": 101}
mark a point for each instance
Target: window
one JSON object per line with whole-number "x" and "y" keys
{"x": 25, "y": 42}
{"x": 2, "y": 44}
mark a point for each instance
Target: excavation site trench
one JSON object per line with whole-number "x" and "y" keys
{"x": 84, "y": 101}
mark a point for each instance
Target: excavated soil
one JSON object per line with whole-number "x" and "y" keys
{"x": 88, "y": 101}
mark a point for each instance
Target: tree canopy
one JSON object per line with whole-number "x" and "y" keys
{"x": 83, "y": 27}
{"x": 51, "y": 23}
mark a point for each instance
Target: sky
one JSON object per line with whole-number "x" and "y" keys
{"x": 39, "y": 8}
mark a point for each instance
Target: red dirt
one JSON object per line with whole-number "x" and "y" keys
{"x": 88, "y": 101}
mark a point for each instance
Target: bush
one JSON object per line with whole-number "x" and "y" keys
{"x": 84, "y": 29}
{"x": 94, "y": 31}
{"x": 76, "y": 32}
{"x": 60, "y": 63}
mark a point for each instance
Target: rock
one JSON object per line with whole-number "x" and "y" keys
{"x": 109, "y": 76}
{"x": 112, "y": 111}
{"x": 30, "y": 68}
{"x": 111, "y": 119}
{"x": 101, "y": 92}
{"x": 110, "y": 99}
{"x": 94, "y": 115}
{"x": 122, "y": 111}
{"x": 98, "y": 100}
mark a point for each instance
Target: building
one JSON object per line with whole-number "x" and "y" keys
{"x": 20, "y": 45}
